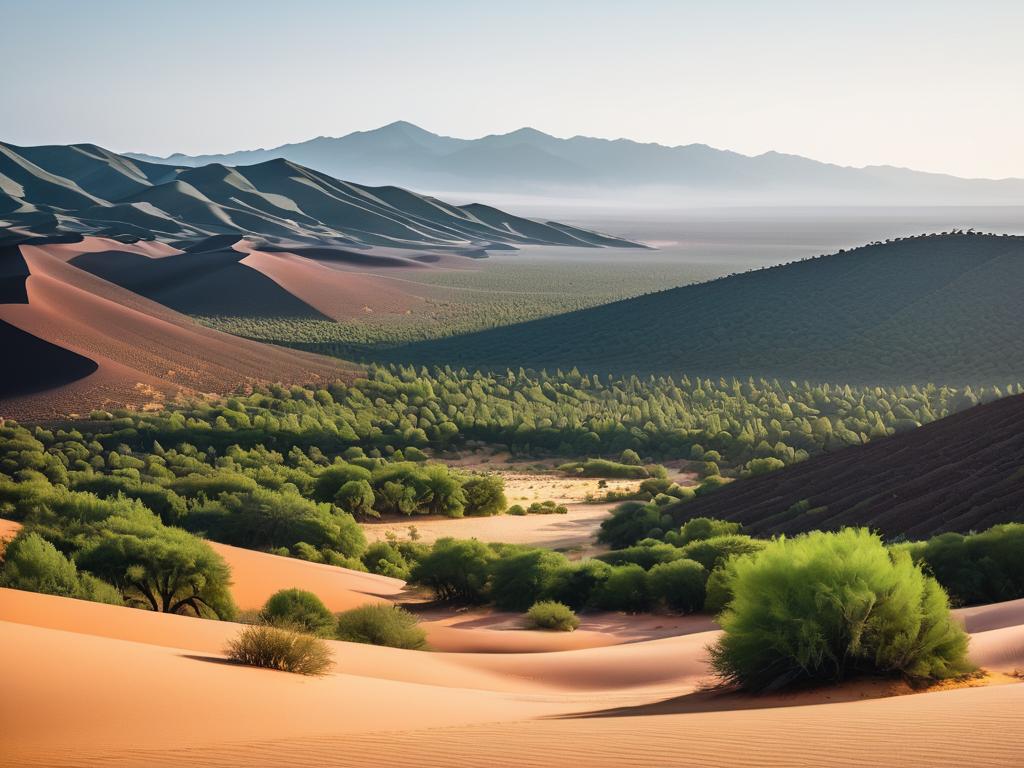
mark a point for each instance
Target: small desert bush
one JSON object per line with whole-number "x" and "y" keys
{"x": 381, "y": 624}
{"x": 713, "y": 552}
{"x": 551, "y": 615}
{"x": 299, "y": 610}
{"x": 826, "y": 606}
{"x": 262, "y": 645}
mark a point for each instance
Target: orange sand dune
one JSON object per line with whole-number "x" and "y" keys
{"x": 88, "y": 698}
{"x": 258, "y": 575}
{"x": 144, "y": 351}
{"x": 339, "y": 293}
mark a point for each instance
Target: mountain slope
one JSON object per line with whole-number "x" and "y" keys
{"x": 964, "y": 472}
{"x": 528, "y": 161}
{"x": 944, "y": 307}
{"x": 89, "y": 190}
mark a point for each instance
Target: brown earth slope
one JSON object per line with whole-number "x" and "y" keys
{"x": 961, "y": 473}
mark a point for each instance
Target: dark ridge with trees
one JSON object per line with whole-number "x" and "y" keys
{"x": 927, "y": 308}
{"x": 961, "y": 473}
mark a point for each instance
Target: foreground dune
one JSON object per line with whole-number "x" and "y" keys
{"x": 101, "y": 685}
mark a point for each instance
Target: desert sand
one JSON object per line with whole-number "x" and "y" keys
{"x": 144, "y": 351}
{"x": 89, "y": 684}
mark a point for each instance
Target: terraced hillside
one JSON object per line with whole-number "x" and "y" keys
{"x": 964, "y": 472}
{"x": 939, "y": 307}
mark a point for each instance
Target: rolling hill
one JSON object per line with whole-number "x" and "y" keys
{"x": 961, "y": 473}
{"x": 929, "y": 308}
{"x": 530, "y": 162}
{"x": 85, "y": 189}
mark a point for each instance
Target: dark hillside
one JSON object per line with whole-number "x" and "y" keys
{"x": 928, "y": 308}
{"x": 964, "y": 472}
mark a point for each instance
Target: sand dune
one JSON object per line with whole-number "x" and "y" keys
{"x": 258, "y": 575}
{"x": 103, "y": 685}
{"x": 143, "y": 351}
{"x": 94, "y": 696}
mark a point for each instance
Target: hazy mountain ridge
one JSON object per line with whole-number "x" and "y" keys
{"x": 86, "y": 189}
{"x": 528, "y": 161}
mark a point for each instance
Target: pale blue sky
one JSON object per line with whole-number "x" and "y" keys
{"x": 931, "y": 85}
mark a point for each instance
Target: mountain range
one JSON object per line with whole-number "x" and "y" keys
{"x": 85, "y": 189}
{"x": 529, "y": 162}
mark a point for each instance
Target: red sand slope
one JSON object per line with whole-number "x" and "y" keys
{"x": 144, "y": 350}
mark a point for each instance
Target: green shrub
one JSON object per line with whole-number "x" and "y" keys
{"x": 709, "y": 485}
{"x": 624, "y": 590}
{"x": 714, "y": 551}
{"x": 700, "y": 528}
{"x": 825, "y": 606}
{"x": 645, "y": 554}
{"x": 629, "y": 522}
{"x": 547, "y": 508}
{"x": 576, "y": 584}
{"x": 456, "y": 570}
{"x": 762, "y": 466}
{"x": 33, "y": 564}
{"x": 261, "y": 645}
{"x": 485, "y": 495}
{"x": 678, "y": 585}
{"x": 516, "y": 509}
{"x": 551, "y": 615}
{"x": 718, "y": 589}
{"x": 983, "y": 567}
{"x": 386, "y": 558}
{"x": 381, "y": 624}
{"x": 300, "y": 610}
{"x": 518, "y": 578}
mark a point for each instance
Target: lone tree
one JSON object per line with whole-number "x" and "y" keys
{"x": 162, "y": 569}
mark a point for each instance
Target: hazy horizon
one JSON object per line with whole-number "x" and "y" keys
{"x": 900, "y": 85}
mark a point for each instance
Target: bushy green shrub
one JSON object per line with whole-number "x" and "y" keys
{"x": 762, "y": 466}
{"x": 386, "y": 558}
{"x": 381, "y": 624}
{"x": 646, "y": 554}
{"x": 456, "y": 570}
{"x": 718, "y": 589}
{"x": 985, "y": 567}
{"x": 577, "y": 583}
{"x": 518, "y": 578}
{"x": 299, "y": 610}
{"x": 516, "y": 509}
{"x": 33, "y": 564}
{"x": 629, "y": 522}
{"x": 261, "y": 645}
{"x": 548, "y": 614}
{"x": 485, "y": 495}
{"x": 824, "y": 606}
{"x": 624, "y": 590}
{"x": 699, "y": 528}
{"x": 678, "y": 585}
{"x": 714, "y": 551}
{"x": 547, "y": 508}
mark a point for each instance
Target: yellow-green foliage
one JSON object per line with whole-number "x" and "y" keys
{"x": 824, "y": 606}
